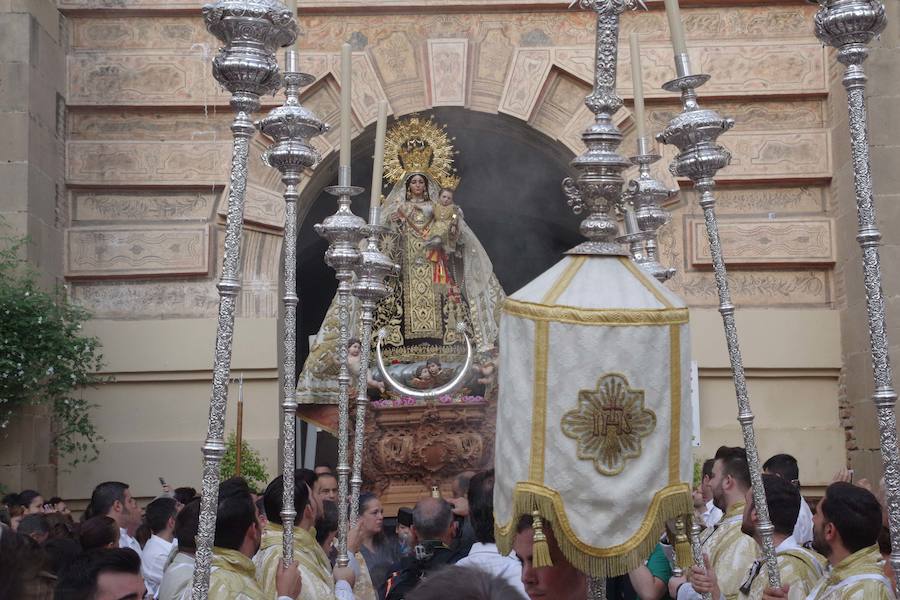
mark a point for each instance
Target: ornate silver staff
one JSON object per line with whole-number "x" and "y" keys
{"x": 645, "y": 215}
{"x": 598, "y": 187}
{"x": 694, "y": 132}
{"x": 849, "y": 26}
{"x": 343, "y": 230}
{"x": 290, "y": 126}
{"x": 251, "y": 30}
{"x": 370, "y": 287}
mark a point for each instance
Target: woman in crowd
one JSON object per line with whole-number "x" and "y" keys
{"x": 380, "y": 554}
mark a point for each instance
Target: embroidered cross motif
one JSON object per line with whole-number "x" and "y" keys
{"x": 609, "y": 423}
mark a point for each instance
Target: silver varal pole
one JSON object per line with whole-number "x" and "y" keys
{"x": 344, "y": 231}
{"x": 849, "y": 26}
{"x": 370, "y": 287}
{"x": 251, "y": 31}
{"x": 596, "y": 588}
{"x": 290, "y": 126}
{"x": 694, "y": 132}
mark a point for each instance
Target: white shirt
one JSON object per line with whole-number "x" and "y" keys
{"x": 712, "y": 514}
{"x": 487, "y": 558}
{"x": 126, "y": 541}
{"x": 803, "y": 528}
{"x": 177, "y": 577}
{"x": 153, "y": 562}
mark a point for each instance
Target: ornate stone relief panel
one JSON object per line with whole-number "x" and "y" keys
{"x": 131, "y": 252}
{"x": 766, "y": 242}
{"x": 147, "y": 163}
{"x": 448, "y": 70}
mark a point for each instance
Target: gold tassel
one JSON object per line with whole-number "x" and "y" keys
{"x": 682, "y": 544}
{"x": 541, "y": 550}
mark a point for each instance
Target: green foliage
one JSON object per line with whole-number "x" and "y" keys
{"x": 698, "y": 472}
{"x": 253, "y": 467}
{"x": 44, "y": 358}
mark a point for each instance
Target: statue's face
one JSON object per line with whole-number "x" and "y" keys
{"x": 353, "y": 350}
{"x": 434, "y": 368}
{"x": 446, "y": 198}
{"x": 417, "y": 185}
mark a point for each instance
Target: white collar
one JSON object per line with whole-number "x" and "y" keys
{"x": 789, "y": 543}
{"x": 479, "y": 548}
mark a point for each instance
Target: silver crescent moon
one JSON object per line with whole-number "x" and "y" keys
{"x": 424, "y": 394}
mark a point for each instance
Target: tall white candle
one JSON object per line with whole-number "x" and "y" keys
{"x": 378, "y": 166}
{"x": 292, "y": 6}
{"x": 346, "y": 77}
{"x": 638, "y": 84}
{"x": 676, "y": 28}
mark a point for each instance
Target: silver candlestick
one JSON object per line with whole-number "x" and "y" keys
{"x": 694, "y": 132}
{"x": 290, "y": 126}
{"x": 646, "y": 195}
{"x": 343, "y": 230}
{"x": 849, "y": 26}
{"x": 251, "y": 31}
{"x": 598, "y": 187}
{"x": 370, "y": 287}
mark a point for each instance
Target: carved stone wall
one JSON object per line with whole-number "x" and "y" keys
{"x": 147, "y": 142}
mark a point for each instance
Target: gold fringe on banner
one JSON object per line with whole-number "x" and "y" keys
{"x": 668, "y": 503}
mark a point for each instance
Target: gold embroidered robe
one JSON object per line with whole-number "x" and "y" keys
{"x": 730, "y": 551}
{"x": 864, "y": 562}
{"x": 363, "y": 589}
{"x": 800, "y": 569}
{"x": 314, "y": 566}
{"x": 233, "y": 577}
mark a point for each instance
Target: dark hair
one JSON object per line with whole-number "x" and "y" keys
{"x": 481, "y": 506}
{"x": 707, "y": 468}
{"x": 855, "y": 513}
{"x": 158, "y": 513}
{"x": 36, "y": 523}
{"x": 364, "y": 499}
{"x": 307, "y": 476}
{"x": 354, "y": 340}
{"x": 327, "y": 523}
{"x": 446, "y": 189}
{"x": 273, "y": 499}
{"x": 54, "y": 500}
{"x": 784, "y": 500}
{"x": 463, "y": 582}
{"x": 11, "y": 500}
{"x": 734, "y": 463}
{"x": 58, "y": 553}
{"x": 26, "y": 497}
{"x": 525, "y": 522}
{"x": 235, "y": 513}
{"x": 184, "y": 494}
{"x": 98, "y": 532}
{"x": 104, "y": 496}
{"x": 78, "y": 581}
{"x": 432, "y": 517}
{"x": 20, "y": 560}
{"x": 884, "y": 541}
{"x": 785, "y": 466}
{"x": 433, "y": 361}
{"x": 143, "y": 534}
{"x": 186, "y": 524}
{"x": 61, "y": 526}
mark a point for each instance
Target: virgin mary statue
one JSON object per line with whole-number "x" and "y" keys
{"x": 445, "y": 285}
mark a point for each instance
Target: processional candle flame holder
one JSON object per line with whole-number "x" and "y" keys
{"x": 850, "y": 26}
{"x": 290, "y": 126}
{"x": 695, "y": 132}
{"x": 643, "y": 198}
{"x": 370, "y": 288}
{"x": 251, "y": 31}
{"x": 343, "y": 230}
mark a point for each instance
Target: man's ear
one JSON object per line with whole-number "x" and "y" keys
{"x": 170, "y": 524}
{"x": 117, "y": 506}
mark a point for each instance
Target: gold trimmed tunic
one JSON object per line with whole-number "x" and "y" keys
{"x": 233, "y": 576}
{"x": 857, "y": 577}
{"x": 730, "y": 551}
{"x": 314, "y": 566}
{"x": 800, "y": 569}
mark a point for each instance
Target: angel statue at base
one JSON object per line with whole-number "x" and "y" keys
{"x": 445, "y": 285}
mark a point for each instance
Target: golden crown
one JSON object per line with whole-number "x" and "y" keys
{"x": 417, "y": 145}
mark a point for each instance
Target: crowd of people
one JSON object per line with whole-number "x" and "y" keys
{"x": 438, "y": 549}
